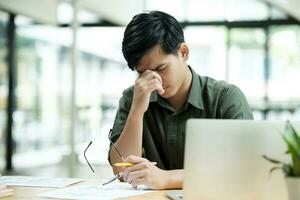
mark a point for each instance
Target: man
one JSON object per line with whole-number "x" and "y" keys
{"x": 150, "y": 123}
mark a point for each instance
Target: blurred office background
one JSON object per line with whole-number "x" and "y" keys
{"x": 254, "y": 44}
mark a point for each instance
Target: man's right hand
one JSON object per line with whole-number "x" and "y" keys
{"x": 147, "y": 82}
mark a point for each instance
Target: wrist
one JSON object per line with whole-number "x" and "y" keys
{"x": 136, "y": 113}
{"x": 174, "y": 179}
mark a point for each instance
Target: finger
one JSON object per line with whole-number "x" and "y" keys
{"x": 143, "y": 82}
{"x": 145, "y": 85}
{"x": 135, "y": 175}
{"x": 137, "y": 167}
{"x": 152, "y": 85}
{"x": 156, "y": 75}
{"x": 137, "y": 181}
{"x": 147, "y": 82}
{"x": 151, "y": 75}
{"x": 156, "y": 87}
{"x": 145, "y": 73}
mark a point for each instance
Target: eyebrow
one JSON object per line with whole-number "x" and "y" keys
{"x": 158, "y": 66}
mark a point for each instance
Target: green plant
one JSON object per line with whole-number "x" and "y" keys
{"x": 292, "y": 140}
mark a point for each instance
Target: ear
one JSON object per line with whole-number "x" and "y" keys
{"x": 184, "y": 51}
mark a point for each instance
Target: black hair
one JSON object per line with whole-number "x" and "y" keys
{"x": 147, "y": 30}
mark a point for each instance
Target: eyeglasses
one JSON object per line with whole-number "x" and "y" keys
{"x": 118, "y": 152}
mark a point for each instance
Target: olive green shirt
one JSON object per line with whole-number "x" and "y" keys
{"x": 164, "y": 129}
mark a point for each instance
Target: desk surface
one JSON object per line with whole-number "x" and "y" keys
{"x": 25, "y": 193}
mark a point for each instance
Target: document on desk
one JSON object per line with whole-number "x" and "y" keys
{"x": 93, "y": 192}
{"x": 29, "y": 181}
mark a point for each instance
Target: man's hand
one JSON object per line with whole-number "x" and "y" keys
{"x": 148, "y": 82}
{"x": 144, "y": 172}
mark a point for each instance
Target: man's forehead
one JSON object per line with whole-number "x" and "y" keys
{"x": 151, "y": 59}
{"x": 149, "y": 66}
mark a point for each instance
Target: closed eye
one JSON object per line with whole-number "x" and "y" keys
{"x": 160, "y": 68}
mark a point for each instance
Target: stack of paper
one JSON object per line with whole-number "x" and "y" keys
{"x": 95, "y": 192}
{"x": 27, "y": 181}
{"x": 5, "y": 191}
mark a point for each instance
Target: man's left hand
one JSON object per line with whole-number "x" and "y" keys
{"x": 144, "y": 172}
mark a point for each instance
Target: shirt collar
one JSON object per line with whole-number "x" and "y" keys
{"x": 195, "y": 93}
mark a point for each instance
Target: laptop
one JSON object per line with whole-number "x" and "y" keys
{"x": 175, "y": 194}
{"x": 223, "y": 160}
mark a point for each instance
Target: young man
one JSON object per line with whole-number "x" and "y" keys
{"x": 150, "y": 123}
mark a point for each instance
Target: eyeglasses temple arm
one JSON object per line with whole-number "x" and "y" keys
{"x": 123, "y": 159}
{"x": 84, "y": 154}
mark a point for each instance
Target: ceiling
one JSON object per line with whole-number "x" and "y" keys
{"x": 43, "y": 11}
{"x": 121, "y": 11}
{"x": 292, "y": 7}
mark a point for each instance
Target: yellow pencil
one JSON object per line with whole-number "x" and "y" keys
{"x": 127, "y": 164}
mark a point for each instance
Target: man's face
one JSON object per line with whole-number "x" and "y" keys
{"x": 171, "y": 68}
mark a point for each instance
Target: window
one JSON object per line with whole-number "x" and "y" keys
{"x": 284, "y": 92}
{"x": 41, "y": 120}
{"x": 285, "y": 61}
{"x": 207, "y": 50}
{"x": 101, "y": 81}
{"x": 3, "y": 86}
{"x": 238, "y": 10}
{"x": 44, "y": 89}
{"x": 175, "y": 8}
{"x": 246, "y": 59}
{"x": 221, "y": 10}
{"x": 212, "y": 10}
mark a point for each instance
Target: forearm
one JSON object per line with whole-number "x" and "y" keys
{"x": 175, "y": 179}
{"x": 130, "y": 140}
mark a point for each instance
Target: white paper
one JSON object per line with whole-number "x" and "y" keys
{"x": 28, "y": 181}
{"x": 93, "y": 192}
